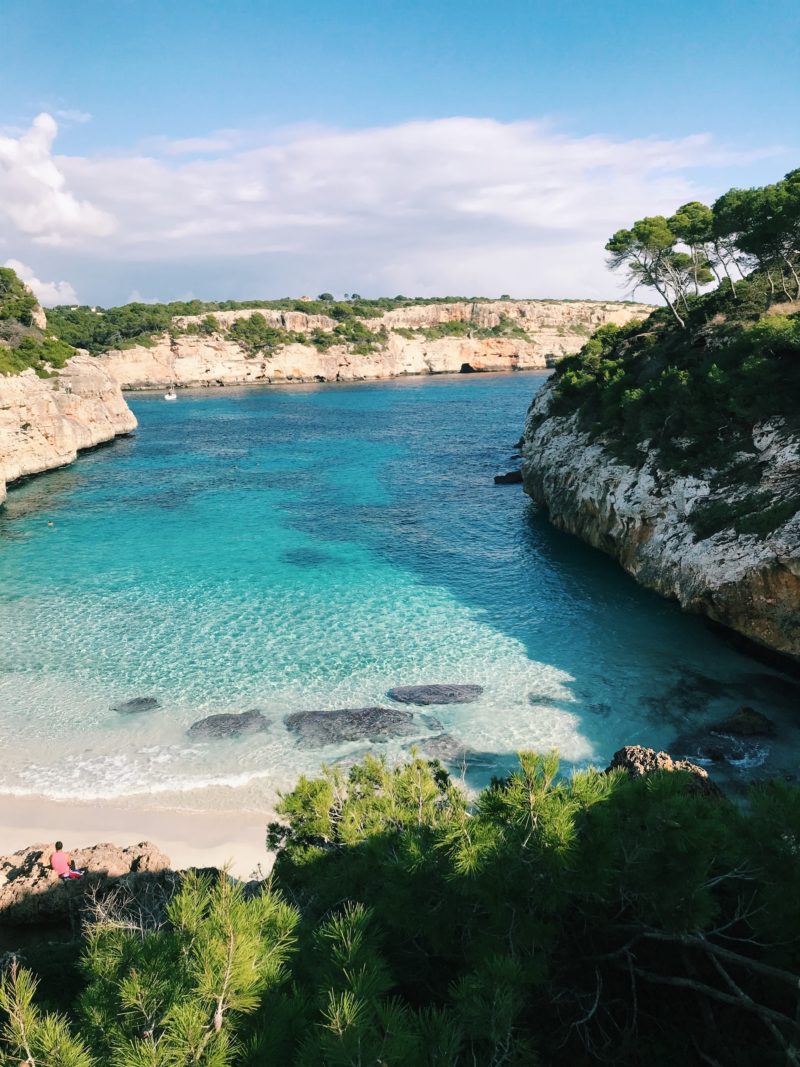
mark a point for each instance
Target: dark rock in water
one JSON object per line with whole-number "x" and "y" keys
{"x": 435, "y": 694}
{"x": 745, "y": 722}
{"x": 509, "y": 478}
{"x": 318, "y": 728}
{"x": 430, "y": 721}
{"x": 450, "y": 750}
{"x": 519, "y": 444}
{"x": 138, "y": 704}
{"x": 638, "y": 761}
{"x": 229, "y": 724}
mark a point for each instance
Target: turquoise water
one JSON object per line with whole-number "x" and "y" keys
{"x": 309, "y": 547}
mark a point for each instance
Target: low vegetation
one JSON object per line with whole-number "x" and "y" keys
{"x": 596, "y": 919}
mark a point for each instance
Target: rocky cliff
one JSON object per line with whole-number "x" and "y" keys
{"x": 538, "y": 331}
{"x": 643, "y": 517}
{"x": 45, "y": 422}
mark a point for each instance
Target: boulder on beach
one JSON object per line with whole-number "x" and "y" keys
{"x": 638, "y": 761}
{"x": 137, "y": 705}
{"x": 319, "y": 728}
{"x": 229, "y": 724}
{"x": 30, "y": 892}
{"x": 509, "y": 478}
{"x": 435, "y": 694}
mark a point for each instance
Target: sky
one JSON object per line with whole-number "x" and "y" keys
{"x": 161, "y": 151}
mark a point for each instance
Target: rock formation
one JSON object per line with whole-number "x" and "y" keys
{"x": 642, "y": 517}
{"x": 543, "y": 330}
{"x": 638, "y": 761}
{"x": 45, "y": 422}
{"x": 30, "y": 892}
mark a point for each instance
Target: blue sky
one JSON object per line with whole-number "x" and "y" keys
{"x": 335, "y": 128}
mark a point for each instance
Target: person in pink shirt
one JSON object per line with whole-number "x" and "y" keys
{"x": 61, "y": 863}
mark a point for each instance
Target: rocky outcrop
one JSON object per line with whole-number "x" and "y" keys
{"x": 30, "y": 892}
{"x": 642, "y": 516}
{"x": 638, "y": 761}
{"x": 45, "y": 422}
{"x": 544, "y": 330}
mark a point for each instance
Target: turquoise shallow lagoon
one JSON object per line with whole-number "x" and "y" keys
{"x": 309, "y": 547}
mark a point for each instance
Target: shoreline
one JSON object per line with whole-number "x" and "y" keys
{"x": 232, "y": 839}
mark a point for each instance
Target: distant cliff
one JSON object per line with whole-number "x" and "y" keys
{"x": 263, "y": 345}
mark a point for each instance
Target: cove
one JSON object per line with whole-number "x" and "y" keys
{"x": 289, "y": 549}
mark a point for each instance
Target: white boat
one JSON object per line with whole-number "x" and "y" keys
{"x": 171, "y": 394}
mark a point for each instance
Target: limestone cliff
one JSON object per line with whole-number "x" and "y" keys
{"x": 642, "y": 517}
{"x": 45, "y": 422}
{"x": 540, "y": 331}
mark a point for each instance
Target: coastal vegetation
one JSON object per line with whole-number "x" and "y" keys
{"x": 23, "y": 344}
{"x": 592, "y": 919}
{"x": 694, "y": 381}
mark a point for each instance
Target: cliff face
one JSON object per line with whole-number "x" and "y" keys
{"x": 45, "y": 422}
{"x": 543, "y": 329}
{"x": 641, "y": 517}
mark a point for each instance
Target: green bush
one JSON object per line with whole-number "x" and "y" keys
{"x": 553, "y": 920}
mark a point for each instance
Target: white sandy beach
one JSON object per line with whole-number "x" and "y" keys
{"x": 231, "y": 839}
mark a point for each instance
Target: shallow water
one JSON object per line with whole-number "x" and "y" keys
{"x": 310, "y": 547}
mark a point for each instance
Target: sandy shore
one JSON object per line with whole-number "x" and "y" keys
{"x": 189, "y": 838}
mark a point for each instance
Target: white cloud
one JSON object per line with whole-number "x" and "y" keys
{"x": 459, "y": 204}
{"x": 33, "y": 193}
{"x": 48, "y": 293}
{"x": 72, "y": 114}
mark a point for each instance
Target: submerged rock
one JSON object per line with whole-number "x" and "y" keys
{"x": 137, "y": 705}
{"x": 318, "y": 728}
{"x": 30, "y": 892}
{"x": 638, "y": 761}
{"x": 435, "y": 694}
{"x": 745, "y": 722}
{"x": 229, "y": 724}
{"x": 450, "y": 750}
{"x": 509, "y": 478}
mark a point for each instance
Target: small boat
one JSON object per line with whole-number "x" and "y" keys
{"x": 170, "y": 393}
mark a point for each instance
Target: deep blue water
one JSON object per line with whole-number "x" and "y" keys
{"x": 309, "y": 547}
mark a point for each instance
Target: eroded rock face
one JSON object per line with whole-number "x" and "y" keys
{"x": 319, "y": 728}
{"x": 229, "y": 724}
{"x": 641, "y": 517}
{"x": 45, "y": 422}
{"x": 544, "y": 329}
{"x": 435, "y": 694}
{"x": 137, "y": 705}
{"x": 30, "y": 892}
{"x": 638, "y": 761}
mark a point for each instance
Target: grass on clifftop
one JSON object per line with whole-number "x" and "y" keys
{"x": 696, "y": 393}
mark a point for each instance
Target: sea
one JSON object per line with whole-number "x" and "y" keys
{"x": 309, "y": 548}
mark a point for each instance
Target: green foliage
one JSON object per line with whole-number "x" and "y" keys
{"x": 23, "y": 345}
{"x": 17, "y": 302}
{"x": 255, "y": 335}
{"x": 694, "y": 394}
{"x": 553, "y": 920}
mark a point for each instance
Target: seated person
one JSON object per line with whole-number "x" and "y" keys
{"x": 61, "y": 863}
